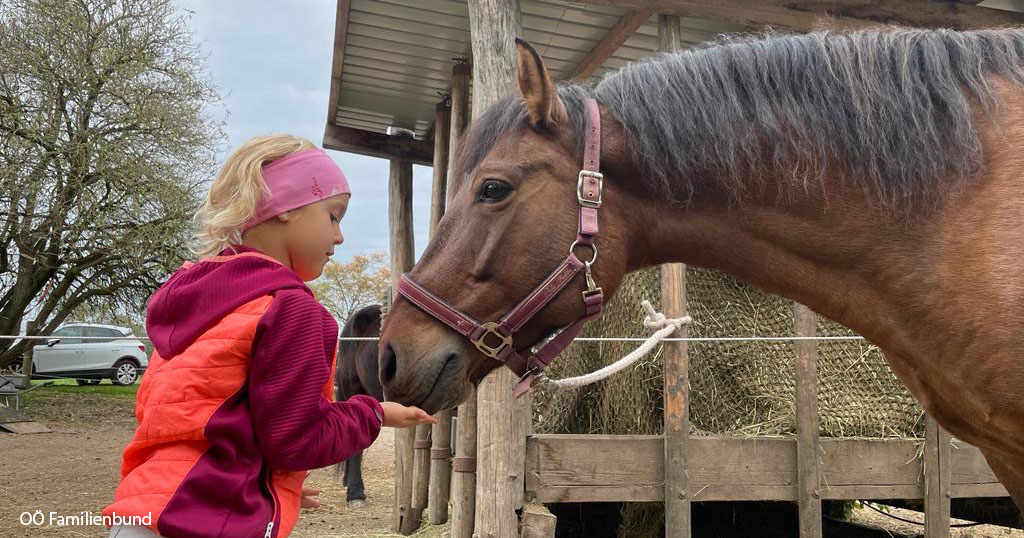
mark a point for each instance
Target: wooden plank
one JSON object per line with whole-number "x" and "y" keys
{"x": 338, "y": 59}
{"x": 493, "y": 27}
{"x": 630, "y": 468}
{"x": 677, "y": 489}
{"x": 402, "y": 252}
{"x": 377, "y": 144}
{"x": 937, "y": 480}
{"x": 811, "y": 14}
{"x": 538, "y": 522}
{"x": 610, "y": 42}
{"x": 806, "y": 372}
{"x": 25, "y": 427}
{"x": 464, "y": 471}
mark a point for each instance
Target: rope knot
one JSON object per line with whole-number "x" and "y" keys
{"x": 657, "y": 320}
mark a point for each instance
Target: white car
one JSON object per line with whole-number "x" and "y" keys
{"x": 67, "y": 355}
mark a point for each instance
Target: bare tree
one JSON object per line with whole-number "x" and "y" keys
{"x": 105, "y": 141}
{"x": 346, "y": 287}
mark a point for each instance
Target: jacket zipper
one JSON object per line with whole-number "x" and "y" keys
{"x": 273, "y": 514}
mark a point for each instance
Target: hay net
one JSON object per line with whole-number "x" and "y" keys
{"x": 736, "y": 388}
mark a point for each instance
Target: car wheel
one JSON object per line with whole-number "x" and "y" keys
{"x": 125, "y": 372}
{"x": 16, "y": 367}
{"x": 82, "y": 382}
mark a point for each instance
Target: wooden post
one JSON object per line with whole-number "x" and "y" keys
{"x": 420, "y": 471}
{"x": 402, "y": 252}
{"x": 439, "y": 486}
{"x": 461, "y": 72}
{"x": 464, "y": 471}
{"x": 31, "y": 329}
{"x": 439, "y": 188}
{"x": 937, "y": 480}
{"x": 677, "y": 406}
{"x": 538, "y": 522}
{"x": 807, "y": 447}
{"x": 669, "y": 33}
{"x": 463, "y": 485}
{"x": 501, "y": 435}
{"x": 676, "y": 362}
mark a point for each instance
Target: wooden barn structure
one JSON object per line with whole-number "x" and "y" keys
{"x": 401, "y": 82}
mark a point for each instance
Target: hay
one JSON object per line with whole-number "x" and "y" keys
{"x": 736, "y": 388}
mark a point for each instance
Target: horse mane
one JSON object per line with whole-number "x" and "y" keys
{"x": 892, "y": 108}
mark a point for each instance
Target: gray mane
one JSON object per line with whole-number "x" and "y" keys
{"x": 892, "y": 108}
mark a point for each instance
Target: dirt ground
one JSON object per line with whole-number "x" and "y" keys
{"x": 75, "y": 469}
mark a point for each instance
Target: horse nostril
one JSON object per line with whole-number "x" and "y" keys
{"x": 388, "y": 365}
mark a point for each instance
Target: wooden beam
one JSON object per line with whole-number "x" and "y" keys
{"x": 463, "y": 489}
{"x": 461, "y": 73}
{"x": 501, "y": 435}
{"x": 402, "y": 258}
{"x": 805, "y": 323}
{"x": 805, "y": 15}
{"x": 630, "y": 468}
{"x": 377, "y": 144}
{"x": 338, "y": 60}
{"x": 669, "y": 33}
{"x": 439, "y": 488}
{"x": 464, "y": 470}
{"x": 938, "y": 475}
{"x": 616, "y": 36}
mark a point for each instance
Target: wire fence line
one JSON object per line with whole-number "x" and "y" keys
{"x": 582, "y": 339}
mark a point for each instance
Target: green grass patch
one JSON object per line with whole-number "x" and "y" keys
{"x": 105, "y": 388}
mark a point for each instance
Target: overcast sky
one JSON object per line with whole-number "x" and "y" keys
{"x": 272, "y": 63}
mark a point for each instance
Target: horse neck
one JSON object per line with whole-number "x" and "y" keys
{"x": 838, "y": 254}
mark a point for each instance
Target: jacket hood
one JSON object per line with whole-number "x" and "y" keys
{"x": 200, "y": 294}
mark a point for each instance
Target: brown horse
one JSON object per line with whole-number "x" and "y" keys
{"x": 877, "y": 177}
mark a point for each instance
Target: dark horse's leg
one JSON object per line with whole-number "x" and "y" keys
{"x": 354, "y": 478}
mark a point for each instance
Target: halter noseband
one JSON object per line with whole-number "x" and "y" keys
{"x": 494, "y": 339}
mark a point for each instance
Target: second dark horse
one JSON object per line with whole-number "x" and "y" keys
{"x": 356, "y": 373}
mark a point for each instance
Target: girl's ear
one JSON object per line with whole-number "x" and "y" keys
{"x": 539, "y": 93}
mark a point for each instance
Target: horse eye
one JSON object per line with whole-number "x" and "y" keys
{"x": 493, "y": 191}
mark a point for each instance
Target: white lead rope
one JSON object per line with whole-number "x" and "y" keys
{"x": 653, "y": 320}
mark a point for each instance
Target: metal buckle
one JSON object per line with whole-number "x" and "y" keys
{"x": 579, "y": 188}
{"x": 492, "y": 351}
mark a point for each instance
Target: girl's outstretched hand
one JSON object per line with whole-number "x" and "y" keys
{"x": 397, "y": 415}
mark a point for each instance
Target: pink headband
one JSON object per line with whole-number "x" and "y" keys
{"x": 298, "y": 179}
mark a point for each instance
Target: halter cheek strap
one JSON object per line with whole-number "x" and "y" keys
{"x": 495, "y": 339}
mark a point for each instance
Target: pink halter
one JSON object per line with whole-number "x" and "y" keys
{"x": 298, "y": 179}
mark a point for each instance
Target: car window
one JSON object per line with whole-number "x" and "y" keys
{"x": 68, "y": 331}
{"x": 102, "y": 332}
{"x": 69, "y": 335}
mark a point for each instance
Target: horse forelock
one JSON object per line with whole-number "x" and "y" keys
{"x": 892, "y": 109}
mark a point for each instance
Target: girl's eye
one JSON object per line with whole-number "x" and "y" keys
{"x": 493, "y": 190}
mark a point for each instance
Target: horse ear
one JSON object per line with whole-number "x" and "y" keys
{"x": 542, "y": 102}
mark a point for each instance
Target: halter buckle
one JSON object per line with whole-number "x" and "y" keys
{"x": 589, "y": 198}
{"x": 494, "y": 352}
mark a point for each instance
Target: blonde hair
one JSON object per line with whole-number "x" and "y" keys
{"x": 236, "y": 192}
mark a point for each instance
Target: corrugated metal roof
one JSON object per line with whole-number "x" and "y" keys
{"x": 399, "y": 53}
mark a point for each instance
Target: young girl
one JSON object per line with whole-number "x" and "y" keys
{"x": 236, "y": 404}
